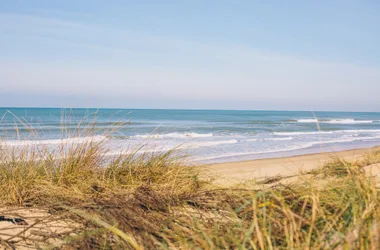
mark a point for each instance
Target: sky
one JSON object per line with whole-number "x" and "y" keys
{"x": 276, "y": 55}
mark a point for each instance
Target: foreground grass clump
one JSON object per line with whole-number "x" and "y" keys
{"x": 78, "y": 171}
{"x": 149, "y": 201}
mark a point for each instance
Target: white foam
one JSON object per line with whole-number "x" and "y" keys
{"x": 338, "y": 141}
{"x": 303, "y": 133}
{"x": 73, "y": 140}
{"x": 284, "y": 149}
{"x": 336, "y": 121}
{"x": 161, "y": 148}
{"x": 270, "y": 139}
{"x": 254, "y": 139}
{"x": 307, "y": 120}
{"x": 208, "y": 144}
{"x": 347, "y": 121}
{"x": 172, "y": 135}
{"x": 252, "y": 153}
{"x": 279, "y": 139}
{"x": 328, "y": 132}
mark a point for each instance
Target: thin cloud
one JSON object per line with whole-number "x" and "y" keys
{"x": 167, "y": 69}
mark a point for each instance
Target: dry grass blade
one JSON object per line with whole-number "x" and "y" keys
{"x": 128, "y": 238}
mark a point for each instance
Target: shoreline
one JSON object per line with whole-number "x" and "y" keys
{"x": 316, "y": 149}
{"x": 228, "y": 173}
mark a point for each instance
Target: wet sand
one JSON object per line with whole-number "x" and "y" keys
{"x": 236, "y": 172}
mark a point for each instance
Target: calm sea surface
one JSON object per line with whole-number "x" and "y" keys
{"x": 208, "y": 135}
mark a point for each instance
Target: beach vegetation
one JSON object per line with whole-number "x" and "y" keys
{"x": 159, "y": 201}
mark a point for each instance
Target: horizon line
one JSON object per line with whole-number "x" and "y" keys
{"x": 190, "y": 109}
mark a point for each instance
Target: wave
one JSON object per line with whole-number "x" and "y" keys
{"x": 279, "y": 139}
{"x": 73, "y": 140}
{"x": 347, "y": 121}
{"x": 336, "y": 121}
{"x": 209, "y": 144}
{"x": 270, "y": 139}
{"x": 279, "y": 150}
{"x": 158, "y": 148}
{"x": 303, "y": 133}
{"x": 172, "y": 135}
{"x": 328, "y": 132}
{"x": 307, "y": 120}
{"x": 251, "y": 153}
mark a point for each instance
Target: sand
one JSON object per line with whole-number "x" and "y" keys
{"x": 237, "y": 172}
{"x": 40, "y": 227}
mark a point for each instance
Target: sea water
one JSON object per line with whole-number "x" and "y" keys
{"x": 207, "y": 135}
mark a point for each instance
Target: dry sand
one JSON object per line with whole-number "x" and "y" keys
{"x": 237, "y": 172}
{"x": 40, "y": 228}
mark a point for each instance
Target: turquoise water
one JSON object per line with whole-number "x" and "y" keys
{"x": 209, "y": 135}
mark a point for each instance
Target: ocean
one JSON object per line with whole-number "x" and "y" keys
{"x": 209, "y": 136}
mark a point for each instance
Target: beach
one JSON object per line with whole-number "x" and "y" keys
{"x": 189, "y": 125}
{"x": 70, "y": 181}
{"x": 231, "y": 173}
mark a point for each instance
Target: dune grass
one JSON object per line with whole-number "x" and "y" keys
{"x": 157, "y": 201}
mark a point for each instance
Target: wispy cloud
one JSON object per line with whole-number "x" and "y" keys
{"x": 146, "y": 66}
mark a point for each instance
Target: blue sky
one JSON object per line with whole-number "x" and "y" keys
{"x": 298, "y": 55}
